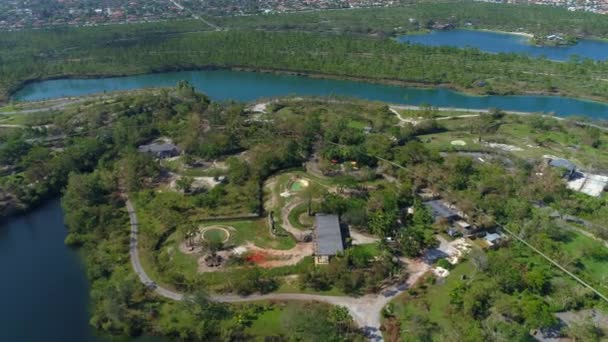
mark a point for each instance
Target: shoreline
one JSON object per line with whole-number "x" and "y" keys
{"x": 301, "y": 73}
{"x": 514, "y": 33}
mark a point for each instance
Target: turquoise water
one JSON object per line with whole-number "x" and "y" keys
{"x": 495, "y": 42}
{"x": 247, "y": 86}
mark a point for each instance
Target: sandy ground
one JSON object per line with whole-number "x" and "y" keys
{"x": 260, "y": 107}
{"x": 197, "y": 183}
{"x": 361, "y": 238}
{"x": 505, "y": 147}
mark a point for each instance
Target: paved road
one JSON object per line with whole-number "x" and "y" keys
{"x": 365, "y": 310}
{"x": 136, "y": 262}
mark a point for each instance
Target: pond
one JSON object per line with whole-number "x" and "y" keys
{"x": 497, "y": 42}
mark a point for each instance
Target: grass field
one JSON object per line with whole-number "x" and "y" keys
{"x": 571, "y": 143}
{"x": 256, "y": 232}
{"x": 435, "y": 301}
{"x": 357, "y": 124}
{"x": 267, "y": 324}
{"x": 215, "y": 235}
{"x": 299, "y": 219}
{"x": 270, "y": 322}
{"x": 595, "y": 269}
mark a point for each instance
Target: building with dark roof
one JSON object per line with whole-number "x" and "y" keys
{"x": 567, "y": 166}
{"x": 160, "y": 150}
{"x": 328, "y": 237}
{"x": 440, "y": 211}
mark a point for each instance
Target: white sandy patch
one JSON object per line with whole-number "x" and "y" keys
{"x": 197, "y": 182}
{"x": 505, "y": 147}
{"x": 260, "y": 107}
{"x": 240, "y": 250}
{"x": 440, "y": 272}
{"x": 458, "y": 143}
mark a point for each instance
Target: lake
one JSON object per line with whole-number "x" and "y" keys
{"x": 44, "y": 291}
{"x": 496, "y": 42}
{"x": 248, "y": 86}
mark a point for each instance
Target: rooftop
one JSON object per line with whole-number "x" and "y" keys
{"x": 493, "y": 237}
{"x": 439, "y": 210}
{"x": 328, "y": 238}
{"x": 563, "y": 163}
{"x": 158, "y": 147}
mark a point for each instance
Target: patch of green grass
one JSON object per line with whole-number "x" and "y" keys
{"x": 9, "y": 108}
{"x": 357, "y": 124}
{"x": 294, "y": 287}
{"x": 256, "y": 232}
{"x": 215, "y": 235}
{"x": 370, "y": 249}
{"x": 298, "y": 217}
{"x": 434, "y": 300}
{"x": 267, "y": 324}
{"x": 593, "y": 269}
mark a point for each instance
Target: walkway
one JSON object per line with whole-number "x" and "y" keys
{"x": 365, "y": 310}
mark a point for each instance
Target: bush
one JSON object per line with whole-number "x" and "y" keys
{"x": 445, "y": 264}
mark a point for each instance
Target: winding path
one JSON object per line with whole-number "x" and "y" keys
{"x": 365, "y": 310}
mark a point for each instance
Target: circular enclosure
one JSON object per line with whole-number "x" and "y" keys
{"x": 215, "y": 234}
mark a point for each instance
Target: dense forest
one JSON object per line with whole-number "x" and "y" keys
{"x": 381, "y": 60}
{"x": 540, "y": 20}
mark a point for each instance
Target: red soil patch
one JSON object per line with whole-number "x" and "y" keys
{"x": 256, "y": 258}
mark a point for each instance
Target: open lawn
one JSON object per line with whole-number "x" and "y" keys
{"x": 267, "y": 324}
{"x": 432, "y": 300}
{"x": 254, "y": 231}
{"x": 357, "y": 124}
{"x": 594, "y": 261}
{"x": 271, "y": 322}
{"x": 548, "y": 138}
{"x": 215, "y": 235}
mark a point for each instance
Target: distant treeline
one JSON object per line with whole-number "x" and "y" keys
{"x": 389, "y": 21}
{"x": 101, "y": 51}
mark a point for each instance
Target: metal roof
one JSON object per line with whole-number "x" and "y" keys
{"x": 328, "y": 235}
{"x": 493, "y": 237}
{"x": 563, "y": 163}
{"x": 439, "y": 210}
{"x": 158, "y": 147}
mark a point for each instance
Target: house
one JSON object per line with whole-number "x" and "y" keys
{"x": 493, "y": 239}
{"x": 328, "y": 240}
{"x": 567, "y": 166}
{"x": 160, "y": 150}
{"x": 440, "y": 211}
{"x": 462, "y": 228}
{"x": 443, "y": 27}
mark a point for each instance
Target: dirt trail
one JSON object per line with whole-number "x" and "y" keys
{"x": 280, "y": 257}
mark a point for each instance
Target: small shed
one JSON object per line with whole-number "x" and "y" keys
{"x": 567, "y": 166}
{"x": 493, "y": 239}
{"x": 160, "y": 150}
{"x": 328, "y": 238}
